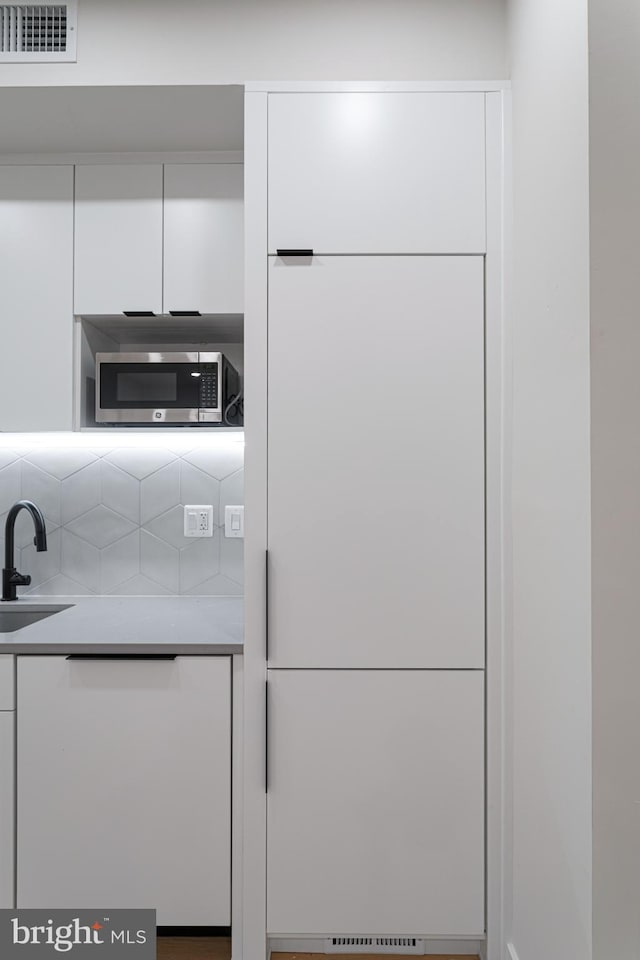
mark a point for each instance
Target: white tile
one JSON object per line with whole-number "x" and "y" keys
{"x": 218, "y": 462}
{"x": 101, "y": 527}
{"x": 231, "y": 491}
{"x": 120, "y": 491}
{"x": 196, "y": 486}
{"x": 61, "y": 462}
{"x": 159, "y": 561}
{"x": 9, "y": 486}
{"x": 44, "y": 489}
{"x": 140, "y": 463}
{"x": 80, "y": 561}
{"x": 41, "y": 566}
{"x": 169, "y": 527}
{"x": 119, "y": 562}
{"x": 216, "y": 587}
{"x": 160, "y": 492}
{"x": 80, "y": 492}
{"x": 141, "y": 587}
{"x": 232, "y": 558}
{"x": 7, "y": 457}
{"x": 199, "y": 561}
{"x": 60, "y": 586}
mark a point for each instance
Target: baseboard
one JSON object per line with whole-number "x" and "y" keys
{"x": 511, "y": 952}
{"x": 296, "y": 945}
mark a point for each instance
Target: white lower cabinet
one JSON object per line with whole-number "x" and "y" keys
{"x": 124, "y": 786}
{"x": 7, "y": 682}
{"x": 375, "y": 804}
{"x": 7, "y": 785}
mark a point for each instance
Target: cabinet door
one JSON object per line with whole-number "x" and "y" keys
{"x": 124, "y": 786}
{"x": 36, "y": 291}
{"x": 375, "y": 808}
{"x": 7, "y": 786}
{"x": 203, "y": 238}
{"x": 377, "y": 172}
{"x": 7, "y": 682}
{"x": 118, "y": 238}
{"x": 376, "y": 462}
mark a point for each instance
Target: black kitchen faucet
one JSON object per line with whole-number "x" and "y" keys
{"x": 10, "y": 576}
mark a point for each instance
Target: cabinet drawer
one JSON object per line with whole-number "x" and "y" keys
{"x": 7, "y": 697}
{"x": 377, "y": 173}
{"x": 130, "y": 761}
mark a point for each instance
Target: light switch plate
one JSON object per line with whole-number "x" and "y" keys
{"x": 234, "y": 521}
{"x": 198, "y": 520}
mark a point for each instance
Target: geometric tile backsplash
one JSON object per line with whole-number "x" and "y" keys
{"x": 115, "y": 519}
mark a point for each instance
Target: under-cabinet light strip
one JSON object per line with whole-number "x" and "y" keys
{"x": 188, "y": 439}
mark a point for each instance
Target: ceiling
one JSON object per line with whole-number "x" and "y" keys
{"x": 120, "y": 119}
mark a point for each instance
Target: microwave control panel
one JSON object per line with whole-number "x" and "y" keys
{"x": 209, "y": 385}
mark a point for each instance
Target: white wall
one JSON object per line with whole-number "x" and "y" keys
{"x": 551, "y": 723}
{"x": 614, "y": 27}
{"x": 226, "y": 41}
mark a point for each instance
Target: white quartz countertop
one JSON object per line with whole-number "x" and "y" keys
{"x": 128, "y": 625}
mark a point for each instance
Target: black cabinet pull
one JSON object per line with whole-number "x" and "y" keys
{"x": 121, "y": 656}
{"x": 138, "y": 313}
{"x": 184, "y": 313}
{"x": 296, "y": 252}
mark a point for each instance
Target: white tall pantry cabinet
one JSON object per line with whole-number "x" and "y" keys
{"x": 374, "y": 259}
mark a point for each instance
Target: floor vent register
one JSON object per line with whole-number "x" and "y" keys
{"x": 405, "y": 945}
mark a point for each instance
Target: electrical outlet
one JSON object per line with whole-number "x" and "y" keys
{"x": 198, "y": 520}
{"x": 234, "y": 521}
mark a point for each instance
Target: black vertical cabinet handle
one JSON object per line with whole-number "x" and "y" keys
{"x": 294, "y": 252}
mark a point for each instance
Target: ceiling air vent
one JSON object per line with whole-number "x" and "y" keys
{"x": 37, "y": 32}
{"x": 404, "y": 945}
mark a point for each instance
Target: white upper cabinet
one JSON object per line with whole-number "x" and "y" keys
{"x": 377, "y": 173}
{"x": 36, "y": 293}
{"x": 203, "y": 238}
{"x": 118, "y": 238}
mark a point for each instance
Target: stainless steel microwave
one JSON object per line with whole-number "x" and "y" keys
{"x": 167, "y": 388}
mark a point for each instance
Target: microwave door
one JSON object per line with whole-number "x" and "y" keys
{"x": 139, "y": 390}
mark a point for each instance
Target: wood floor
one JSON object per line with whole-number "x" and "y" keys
{"x": 219, "y": 948}
{"x": 193, "y": 948}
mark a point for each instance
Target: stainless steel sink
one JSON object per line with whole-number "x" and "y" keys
{"x": 14, "y": 617}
